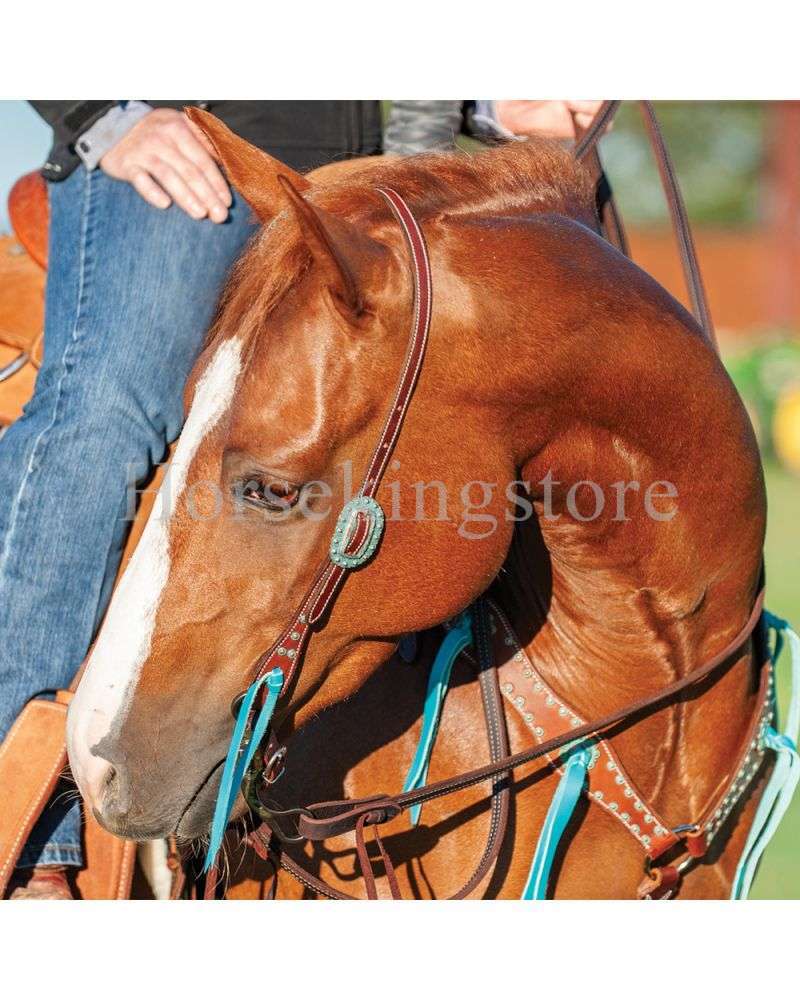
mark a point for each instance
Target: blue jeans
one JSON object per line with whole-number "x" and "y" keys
{"x": 131, "y": 293}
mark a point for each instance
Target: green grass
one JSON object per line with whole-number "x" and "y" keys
{"x": 779, "y": 874}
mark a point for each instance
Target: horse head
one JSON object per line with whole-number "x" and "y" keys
{"x": 283, "y": 410}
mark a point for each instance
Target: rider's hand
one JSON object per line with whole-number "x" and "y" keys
{"x": 553, "y": 119}
{"x": 167, "y": 159}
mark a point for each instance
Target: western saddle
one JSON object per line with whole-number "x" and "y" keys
{"x": 23, "y": 264}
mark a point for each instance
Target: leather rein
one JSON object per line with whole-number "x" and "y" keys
{"x": 585, "y": 151}
{"x": 355, "y": 539}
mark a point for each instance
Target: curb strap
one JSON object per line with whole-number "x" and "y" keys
{"x": 327, "y": 819}
{"x": 784, "y": 779}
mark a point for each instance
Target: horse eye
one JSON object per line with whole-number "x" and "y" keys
{"x": 275, "y": 495}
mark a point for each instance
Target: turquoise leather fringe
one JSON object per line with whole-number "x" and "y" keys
{"x": 240, "y": 753}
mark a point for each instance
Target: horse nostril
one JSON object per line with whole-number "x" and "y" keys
{"x": 110, "y": 780}
{"x": 102, "y": 783}
{"x": 110, "y": 796}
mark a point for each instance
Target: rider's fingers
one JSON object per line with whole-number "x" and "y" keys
{"x": 177, "y": 188}
{"x": 206, "y": 170}
{"x": 149, "y": 190}
{"x": 195, "y": 179}
{"x": 584, "y": 107}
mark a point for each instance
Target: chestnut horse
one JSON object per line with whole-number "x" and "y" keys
{"x": 553, "y": 362}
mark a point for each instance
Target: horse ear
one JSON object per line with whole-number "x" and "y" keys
{"x": 345, "y": 254}
{"x": 250, "y": 170}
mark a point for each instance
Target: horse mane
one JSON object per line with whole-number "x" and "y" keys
{"x": 536, "y": 175}
{"x": 519, "y": 178}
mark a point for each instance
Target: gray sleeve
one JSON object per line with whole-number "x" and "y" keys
{"x": 483, "y": 123}
{"x": 93, "y": 145}
{"x": 421, "y": 126}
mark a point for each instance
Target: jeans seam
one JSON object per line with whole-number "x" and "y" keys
{"x": 50, "y": 854}
{"x": 85, "y": 242}
{"x": 56, "y": 846}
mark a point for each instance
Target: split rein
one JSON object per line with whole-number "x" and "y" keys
{"x": 585, "y": 151}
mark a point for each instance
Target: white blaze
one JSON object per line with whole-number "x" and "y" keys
{"x": 124, "y": 641}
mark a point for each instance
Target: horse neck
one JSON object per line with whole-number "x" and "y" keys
{"x": 610, "y": 610}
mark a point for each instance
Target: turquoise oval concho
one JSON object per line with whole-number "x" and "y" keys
{"x": 346, "y": 525}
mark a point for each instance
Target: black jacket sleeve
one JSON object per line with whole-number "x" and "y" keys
{"x": 69, "y": 120}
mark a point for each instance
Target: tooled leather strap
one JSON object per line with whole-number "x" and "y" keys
{"x": 585, "y": 149}
{"x": 662, "y": 881}
{"x": 287, "y": 651}
{"x": 327, "y": 819}
{"x": 746, "y": 766}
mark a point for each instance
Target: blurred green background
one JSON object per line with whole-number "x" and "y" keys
{"x": 721, "y": 150}
{"x": 739, "y": 169}
{"x": 779, "y": 874}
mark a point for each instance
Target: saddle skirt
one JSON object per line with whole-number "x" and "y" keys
{"x": 23, "y": 262}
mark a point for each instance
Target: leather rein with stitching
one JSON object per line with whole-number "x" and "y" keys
{"x": 585, "y": 151}
{"x": 358, "y": 531}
